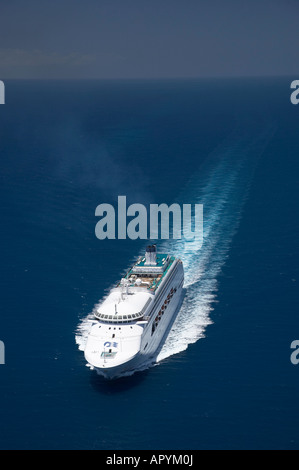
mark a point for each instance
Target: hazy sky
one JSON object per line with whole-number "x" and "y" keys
{"x": 148, "y": 38}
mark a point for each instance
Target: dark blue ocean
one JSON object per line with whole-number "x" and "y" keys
{"x": 225, "y": 379}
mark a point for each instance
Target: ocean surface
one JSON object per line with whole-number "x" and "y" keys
{"x": 224, "y": 379}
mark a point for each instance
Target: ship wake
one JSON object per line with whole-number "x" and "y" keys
{"x": 222, "y": 186}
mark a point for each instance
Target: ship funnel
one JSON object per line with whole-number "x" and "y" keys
{"x": 151, "y": 255}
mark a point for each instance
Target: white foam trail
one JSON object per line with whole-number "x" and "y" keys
{"x": 222, "y": 189}
{"x": 82, "y": 331}
{"x": 221, "y": 185}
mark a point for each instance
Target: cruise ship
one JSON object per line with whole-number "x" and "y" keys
{"x": 131, "y": 325}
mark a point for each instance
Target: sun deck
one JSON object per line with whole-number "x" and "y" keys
{"x": 161, "y": 260}
{"x": 149, "y": 276}
{"x": 129, "y": 301}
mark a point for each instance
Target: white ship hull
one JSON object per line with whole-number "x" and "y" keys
{"x": 117, "y": 347}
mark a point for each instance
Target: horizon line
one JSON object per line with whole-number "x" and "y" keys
{"x": 210, "y": 77}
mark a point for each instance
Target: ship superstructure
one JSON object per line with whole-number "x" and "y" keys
{"x": 132, "y": 323}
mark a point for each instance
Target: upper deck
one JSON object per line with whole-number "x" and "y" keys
{"x": 149, "y": 276}
{"x": 129, "y": 301}
{"x": 161, "y": 261}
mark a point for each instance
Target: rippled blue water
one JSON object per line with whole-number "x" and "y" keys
{"x": 226, "y": 380}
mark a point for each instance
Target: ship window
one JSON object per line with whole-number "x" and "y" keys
{"x": 113, "y": 336}
{"x": 125, "y": 317}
